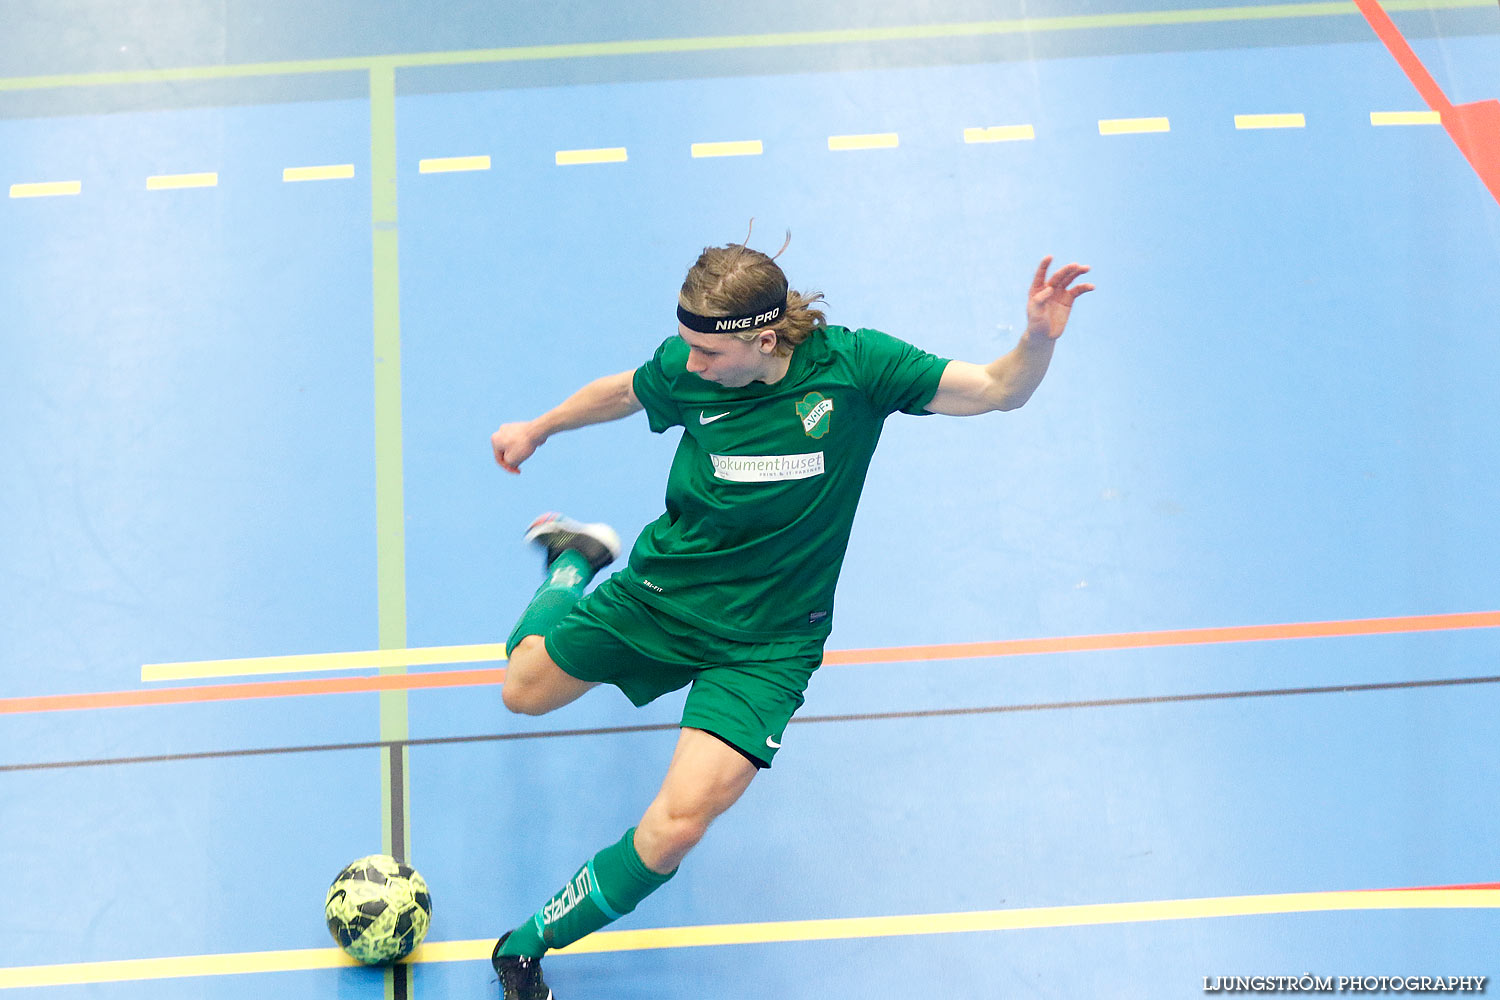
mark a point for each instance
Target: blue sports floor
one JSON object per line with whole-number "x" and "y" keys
{"x": 247, "y": 416}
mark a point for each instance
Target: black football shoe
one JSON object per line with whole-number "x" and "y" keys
{"x": 598, "y": 543}
{"x": 520, "y": 977}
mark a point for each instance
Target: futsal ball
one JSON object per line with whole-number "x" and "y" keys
{"x": 378, "y": 909}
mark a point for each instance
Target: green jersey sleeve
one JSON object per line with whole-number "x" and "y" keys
{"x": 653, "y": 387}
{"x": 895, "y": 375}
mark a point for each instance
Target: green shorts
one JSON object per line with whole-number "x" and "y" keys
{"x": 743, "y": 693}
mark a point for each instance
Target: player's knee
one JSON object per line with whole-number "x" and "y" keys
{"x": 687, "y": 831}
{"x": 521, "y": 693}
{"x": 676, "y": 833}
{"x": 518, "y": 698}
{"x": 525, "y": 697}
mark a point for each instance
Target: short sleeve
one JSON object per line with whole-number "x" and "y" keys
{"x": 653, "y": 387}
{"x": 896, "y": 375}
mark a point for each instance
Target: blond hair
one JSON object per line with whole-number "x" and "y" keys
{"x": 733, "y": 280}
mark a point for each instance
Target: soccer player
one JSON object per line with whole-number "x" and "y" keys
{"x": 731, "y": 590}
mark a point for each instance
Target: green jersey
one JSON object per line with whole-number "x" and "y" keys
{"x": 763, "y": 488}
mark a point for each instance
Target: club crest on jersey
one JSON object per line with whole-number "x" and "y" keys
{"x": 816, "y": 412}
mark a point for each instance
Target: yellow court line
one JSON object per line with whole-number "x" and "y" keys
{"x": 174, "y": 182}
{"x": 873, "y": 140}
{"x": 999, "y": 133}
{"x": 46, "y": 189}
{"x": 576, "y": 157}
{"x": 137, "y": 969}
{"x": 486, "y": 652}
{"x": 719, "y": 935}
{"x": 453, "y": 164}
{"x": 1269, "y": 121}
{"x": 1406, "y": 118}
{"x": 1133, "y": 126}
{"x": 743, "y": 147}
{"x": 1085, "y": 915}
{"x": 421, "y": 656}
{"x": 333, "y": 172}
{"x": 1024, "y": 26}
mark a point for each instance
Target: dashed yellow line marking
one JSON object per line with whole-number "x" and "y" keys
{"x": 46, "y": 189}
{"x": 453, "y": 164}
{"x": 873, "y": 140}
{"x": 744, "y": 147}
{"x": 1000, "y": 133}
{"x": 175, "y": 182}
{"x": 702, "y": 150}
{"x": 578, "y": 157}
{"x": 1406, "y": 118}
{"x": 333, "y": 172}
{"x": 711, "y": 935}
{"x": 1269, "y": 121}
{"x": 1133, "y": 126}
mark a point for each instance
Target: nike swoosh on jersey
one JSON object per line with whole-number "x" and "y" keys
{"x": 705, "y": 419}
{"x": 772, "y": 744}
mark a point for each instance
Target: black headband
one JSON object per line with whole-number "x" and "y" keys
{"x": 763, "y": 316}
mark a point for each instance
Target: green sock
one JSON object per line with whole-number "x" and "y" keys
{"x": 568, "y": 575}
{"x": 611, "y": 885}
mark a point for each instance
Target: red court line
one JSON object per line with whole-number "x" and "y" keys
{"x": 258, "y": 689}
{"x": 1175, "y": 637}
{"x": 1440, "y": 888}
{"x": 847, "y": 657}
{"x": 1474, "y": 128}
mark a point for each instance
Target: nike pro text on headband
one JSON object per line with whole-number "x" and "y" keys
{"x": 763, "y": 316}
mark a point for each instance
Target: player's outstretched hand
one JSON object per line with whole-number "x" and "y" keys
{"x": 1051, "y": 299}
{"x": 514, "y": 444}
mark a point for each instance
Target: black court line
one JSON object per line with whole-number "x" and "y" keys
{"x": 935, "y": 713}
{"x": 397, "y": 753}
{"x": 398, "y": 976}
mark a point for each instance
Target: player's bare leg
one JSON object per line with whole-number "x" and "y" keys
{"x": 705, "y": 778}
{"x": 534, "y": 684}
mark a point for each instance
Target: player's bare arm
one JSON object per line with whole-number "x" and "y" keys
{"x": 1007, "y": 382}
{"x": 604, "y": 399}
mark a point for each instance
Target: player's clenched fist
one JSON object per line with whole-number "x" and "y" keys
{"x": 514, "y": 444}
